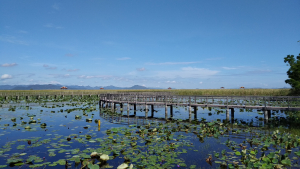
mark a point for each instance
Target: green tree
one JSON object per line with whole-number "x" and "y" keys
{"x": 293, "y": 73}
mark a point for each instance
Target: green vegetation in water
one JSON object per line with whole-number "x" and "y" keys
{"x": 154, "y": 145}
{"x": 183, "y": 92}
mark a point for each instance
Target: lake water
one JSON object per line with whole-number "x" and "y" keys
{"x": 64, "y": 137}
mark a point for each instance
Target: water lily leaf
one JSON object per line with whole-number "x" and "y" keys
{"x": 275, "y": 161}
{"x": 20, "y": 147}
{"x": 123, "y": 166}
{"x": 93, "y": 166}
{"x": 286, "y": 162}
{"x": 297, "y": 153}
{"x": 238, "y": 153}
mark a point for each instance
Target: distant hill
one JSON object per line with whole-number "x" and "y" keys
{"x": 37, "y": 87}
{"x": 138, "y": 87}
{"x": 71, "y": 87}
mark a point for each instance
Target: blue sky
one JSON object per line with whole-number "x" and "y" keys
{"x": 184, "y": 44}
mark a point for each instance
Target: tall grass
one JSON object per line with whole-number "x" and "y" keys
{"x": 195, "y": 92}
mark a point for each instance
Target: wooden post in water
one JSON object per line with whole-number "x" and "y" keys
{"x": 227, "y": 114}
{"x": 128, "y": 105}
{"x": 134, "y": 108}
{"x": 190, "y": 110}
{"x": 166, "y": 111}
{"x": 171, "y": 110}
{"x": 146, "y": 108}
{"x": 195, "y": 113}
{"x": 232, "y": 115}
{"x": 106, "y": 103}
{"x": 152, "y": 110}
{"x": 121, "y": 108}
{"x": 112, "y": 106}
{"x": 266, "y": 118}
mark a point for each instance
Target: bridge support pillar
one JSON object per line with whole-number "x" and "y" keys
{"x": 152, "y": 110}
{"x": 128, "y": 105}
{"x": 195, "y": 113}
{"x": 166, "y": 111}
{"x": 112, "y": 106}
{"x": 26, "y": 97}
{"x": 232, "y": 114}
{"x": 146, "y": 111}
{"x": 190, "y": 113}
{"x": 121, "y": 110}
{"x": 134, "y": 108}
{"x": 17, "y": 97}
{"x": 267, "y": 114}
{"x": 171, "y": 110}
{"x": 100, "y": 104}
{"x": 227, "y": 114}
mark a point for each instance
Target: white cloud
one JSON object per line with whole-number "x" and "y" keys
{"x": 55, "y": 6}
{"x": 200, "y": 82}
{"x": 9, "y": 64}
{"x": 72, "y": 70}
{"x": 91, "y": 77}
{"x": 6, "y": 76}
{"x": 172, "y": 63}
{"x": 50, "y": 25}
{"x": 140, "y": 69}
{"x": 124, "y": 58}
{"x": 171, "y": 81}
{"x": 53, "y": 82}
{"x": 48, "y": 67}
{"x": 187, "y": 72}
{"x": 228, "y": 68}
{"x": 60, "y": 75}
{"x": 12, "y": 39}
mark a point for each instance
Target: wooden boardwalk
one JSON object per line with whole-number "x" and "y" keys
{"x": 264, "y": 103}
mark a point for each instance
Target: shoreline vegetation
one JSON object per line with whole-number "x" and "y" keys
{"x": 192, "y": 92}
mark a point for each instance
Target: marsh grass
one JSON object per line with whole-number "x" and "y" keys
{"x": 194, "y": 92}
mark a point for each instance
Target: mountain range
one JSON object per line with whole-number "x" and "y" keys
{"x": 71, "y": 87}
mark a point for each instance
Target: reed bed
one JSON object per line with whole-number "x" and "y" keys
{"x": 195, "y": 92}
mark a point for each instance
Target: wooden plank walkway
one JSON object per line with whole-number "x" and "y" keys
{"x": 264, "y": 103}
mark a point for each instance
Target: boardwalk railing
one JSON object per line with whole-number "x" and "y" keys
{"x": 264, "y": 103}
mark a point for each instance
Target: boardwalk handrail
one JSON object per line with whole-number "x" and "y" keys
{"x": 264, "y": 103}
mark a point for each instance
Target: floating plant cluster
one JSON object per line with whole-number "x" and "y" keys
{"x": 67, "y": 132}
